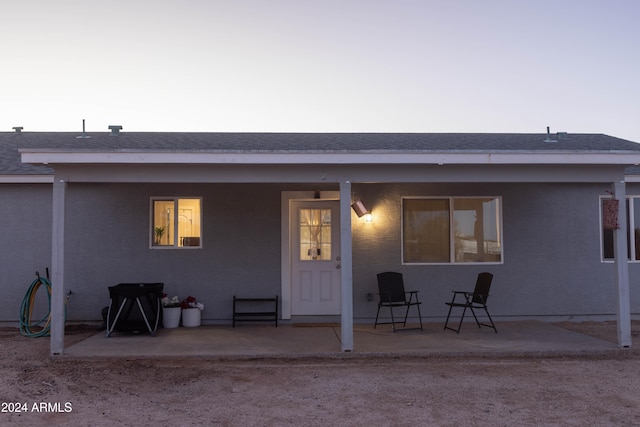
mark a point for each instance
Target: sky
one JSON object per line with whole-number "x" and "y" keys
{"x": 322, "y": 66}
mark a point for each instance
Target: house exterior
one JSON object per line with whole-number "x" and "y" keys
{"x": 215, "y": 215}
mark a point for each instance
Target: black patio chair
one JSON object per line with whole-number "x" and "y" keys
{"x": 472, "y": 300}
{"x": 392, "y": 294}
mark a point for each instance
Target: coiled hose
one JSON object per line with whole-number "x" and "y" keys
{"x": 40, "y": 328}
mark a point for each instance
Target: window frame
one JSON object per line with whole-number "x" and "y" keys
{"x": 452, "y": 257}
{"x": 632, "y": 254}
{"x": 176, "y": 201}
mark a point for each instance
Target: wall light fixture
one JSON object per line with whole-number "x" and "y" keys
{"x": 359, "y": 208}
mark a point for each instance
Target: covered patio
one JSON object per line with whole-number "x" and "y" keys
{"x": 549, "y": 182}
{"x": 516, "y": 338}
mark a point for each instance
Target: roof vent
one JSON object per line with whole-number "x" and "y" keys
{"x": 84, "y": 134}
{"x": 549, "y": 136}
{"x": 115, "y": 129}
{"x": 18, "y": 129}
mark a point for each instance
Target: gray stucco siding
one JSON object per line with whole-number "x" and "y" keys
{"x": 551, "y": 267}
{"x": 551, "y": 236}
{"x": 25, "y": 244}
{"x": 108, "y": 243}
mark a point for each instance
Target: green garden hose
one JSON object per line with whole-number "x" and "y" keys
{"x": 39, "y": 328}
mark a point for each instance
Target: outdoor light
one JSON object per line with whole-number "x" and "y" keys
{"x": 359, "y": 208}
{"x": 368, "y": 218}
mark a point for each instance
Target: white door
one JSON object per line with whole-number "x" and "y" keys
{"x": 315, "y": 257}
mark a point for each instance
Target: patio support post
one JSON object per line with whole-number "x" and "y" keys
{"x": 346, "y": 267}
{"x": 57, "y": 268}
{"x": 622, "y": 268}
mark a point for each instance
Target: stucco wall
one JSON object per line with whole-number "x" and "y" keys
{"x": 25, "y": 244}
{"x": 551, "y": 232}
{"x": 110, "y": 244}
{"x": 551, "y": 266}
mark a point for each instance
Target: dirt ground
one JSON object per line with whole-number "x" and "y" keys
{"x": 39, "y": 391}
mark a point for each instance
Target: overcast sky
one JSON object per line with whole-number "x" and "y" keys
{"x": 322, "y": 66}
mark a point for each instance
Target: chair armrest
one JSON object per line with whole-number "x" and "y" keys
{"x": 411, "y": 295}
{"x": 464, "y": 293}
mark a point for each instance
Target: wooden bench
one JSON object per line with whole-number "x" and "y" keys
{"x": 269, "y": 314}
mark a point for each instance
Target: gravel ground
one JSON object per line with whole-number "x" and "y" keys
{"x": 552, "y": 391}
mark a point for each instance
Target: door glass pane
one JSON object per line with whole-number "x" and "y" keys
{"x": 315, "y": 234}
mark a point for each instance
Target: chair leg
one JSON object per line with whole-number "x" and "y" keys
{"x": 480, "y": 324}
{"x": 377, "y": 314}
{"x": 475, "y": 317}
{"x": 490, "y": 320}
{"x": 448, "y": 315}
{"x": 393, "y": 321}
{"x": 461, "y": 319}
{"x": 457, "y": 331}
{"x": 406, "y": 315}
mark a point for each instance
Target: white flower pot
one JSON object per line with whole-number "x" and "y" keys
{"x": 190, "y": 317}
{"x": 171, "y": 317}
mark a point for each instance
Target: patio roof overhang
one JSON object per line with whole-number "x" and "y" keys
{"x": 26, "y": 179}
{"x": 124, "y": 165}
{"x": 347, "y": 157}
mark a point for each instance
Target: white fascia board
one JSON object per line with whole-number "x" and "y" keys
{"x": 26, "y": 179}
{"x": 36, "y": 156}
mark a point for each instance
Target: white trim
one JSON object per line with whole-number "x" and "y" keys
{"x": 51, "y": 156}
{"x": 623, "y": 312}
{"x": 26, "y": 179}
{"x": 286, "y": 199}
{"x": 346, "y": 270}
{"x": 58, "y": 232}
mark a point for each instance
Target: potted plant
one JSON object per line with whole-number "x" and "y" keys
{"x": 171, "y": 311}
{"x": 191, "y": 312}
{"x": 158, "y": 232}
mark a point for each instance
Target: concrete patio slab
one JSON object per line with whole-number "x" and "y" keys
{"x": 248, "y": 341}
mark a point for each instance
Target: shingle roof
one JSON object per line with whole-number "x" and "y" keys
{"x": 10, "y": 142}
{"x": 10, "y": 163}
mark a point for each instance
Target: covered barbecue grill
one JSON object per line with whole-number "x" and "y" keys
{"x": 135, "y": 307}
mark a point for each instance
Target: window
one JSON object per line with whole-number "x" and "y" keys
{"x": 633, "y": 223}
{"x": 176, "y": 222}
{"x": 451, "y": 230}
